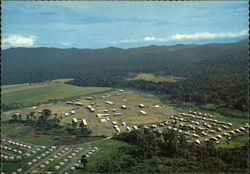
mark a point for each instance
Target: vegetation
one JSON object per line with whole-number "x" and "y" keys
{"x": 214, "y": 73}
{"x": 150, "y": 152}
{"x": 154, "y": 78}
{"x": 49, "y": 126}
{"x": 24, "y": 95}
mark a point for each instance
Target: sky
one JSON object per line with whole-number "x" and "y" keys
{"x": 99, "y": 24}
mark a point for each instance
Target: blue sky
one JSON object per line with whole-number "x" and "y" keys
{"x": 121, "y": 24}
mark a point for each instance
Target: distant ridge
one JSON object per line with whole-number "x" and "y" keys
{"x": 41, "y": 64}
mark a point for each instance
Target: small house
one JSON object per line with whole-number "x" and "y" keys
{"x": 117, "y": 114}
{"x": 225, "y": 127}
{"x": 218, "y": 129}
{"x": 89, "y": 98}
{"x": 141, "y": 105}
{"x": 219, "y": 136}
{"x": 117, "y": 129}
{"x": 113, "y": 110}
{"x": 42, "y": 166}
{"x": 74, "y": 120}
{"x": 89, "y": 107}
{"x": 84, "y": 122}
{"x": 135, "y": 127}
{"x": 237, "y": 131}
{"x": 156, "y": 106}
{"x": 78, "y": 104}
{"x": 214, "y": 139}
{"x": 109, "y": 102}
{"x": 69, "y": 103}
{"x": 124, "y": 107}
{"x": 161, "y": 124}
{"x": 197, "y": 142}
{"x": 103, "y": 120}
{"x": 143, "y": 113}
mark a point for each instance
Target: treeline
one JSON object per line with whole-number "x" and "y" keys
{"x": 231, "y": 93}
{"x": 43, "y": 124}
{"x": 151, "y": 152}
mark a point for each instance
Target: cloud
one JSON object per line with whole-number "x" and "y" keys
{"x": 199, "y": 35}
{"x": 65, "y": 43}
{"x": 207, "y": 35}
{"x": 18, "y": 40}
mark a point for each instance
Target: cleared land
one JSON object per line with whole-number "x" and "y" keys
{"x": 33, "y": 94}
{"x": 155, "y": 78}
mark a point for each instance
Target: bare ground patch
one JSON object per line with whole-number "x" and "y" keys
{"x": 76, "y": 140}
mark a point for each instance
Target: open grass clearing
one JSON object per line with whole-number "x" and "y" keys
{"x": 29, "y": 95}
{"x": 155, "y": 78}
{"x": 236, "y": 141}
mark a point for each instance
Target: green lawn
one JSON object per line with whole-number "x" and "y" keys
{"x": 29, "y": 95}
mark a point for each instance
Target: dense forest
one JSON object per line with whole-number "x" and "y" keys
{"x": 149, "y": 151}
{"x": 214, "y": 73}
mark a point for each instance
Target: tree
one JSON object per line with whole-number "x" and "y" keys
{"x": 84, "y": 160}
{"x": 74, "y": 124}
{"x": 32, "y": 115}
{"x": 20, "y": 117}
{"x": 14, "y": 117}
{"x": 46, "y": 113}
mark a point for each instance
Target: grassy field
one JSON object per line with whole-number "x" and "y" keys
{"x": 33, "y": 94}
{"x": 236, "y": 141}
{"x": 43, "y": 140}
{"x": 154, "y": 78}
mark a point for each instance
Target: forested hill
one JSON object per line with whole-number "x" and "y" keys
{"x": 206, "y": 67}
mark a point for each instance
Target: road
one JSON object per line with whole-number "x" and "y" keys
{"x": 43, "y": 160}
